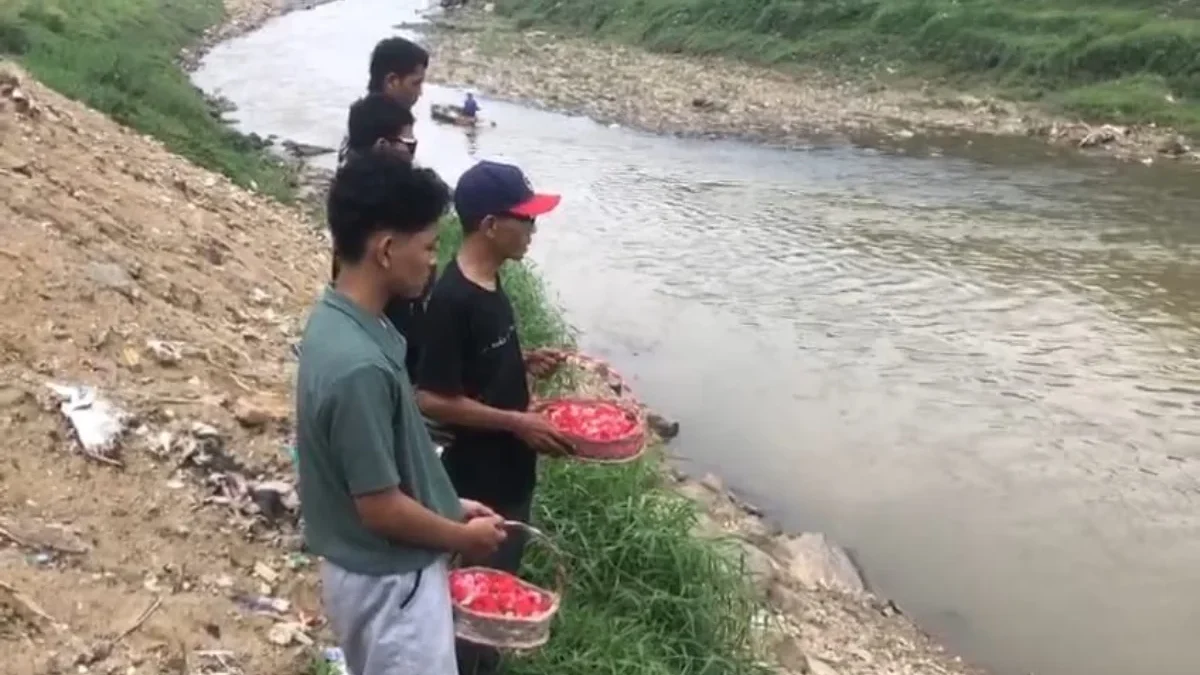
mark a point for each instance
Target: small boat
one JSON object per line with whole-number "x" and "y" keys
{"x": 450, "y": 114}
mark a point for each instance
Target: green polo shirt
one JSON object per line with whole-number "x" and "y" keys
{"x": 359, "y": 431}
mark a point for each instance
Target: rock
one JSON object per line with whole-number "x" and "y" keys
{"x": 261, "y": 409}
{"x": 1175, "y": 146}
{"x": 110, "y": 276}
{"x": 759, "y": 565}
{"x": 665, "y": 428}
{"x": 284, "y": 634}
{"x": 11, "y": 397}
{"x": 165, "y": 353}
{"x": 713, "y": 483}
{"x": 816, "y": 666}
{"x": 260, "y": 297}
{"x": 707, "y": 527}
{"x": 264, "y": 572}
{"x": 304, "y": 150}
{"x": 815, "y": 562}
{"x": 695, "y": 492}
{"x": 1103, "y": 136}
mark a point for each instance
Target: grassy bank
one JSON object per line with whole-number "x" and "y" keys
{"x": 645, "y": 597}
{"x": 119, "y": 57}
{"x": 1119, "y": 60}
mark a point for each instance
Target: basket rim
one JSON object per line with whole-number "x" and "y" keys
{"x": 638, "y": 430}
{"x": 555, "y": 599}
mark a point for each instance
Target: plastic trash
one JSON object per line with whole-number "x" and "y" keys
{"x": 336, "y": 661}
{"x": 98, "y": 424}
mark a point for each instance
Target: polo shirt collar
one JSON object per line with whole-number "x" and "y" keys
{"x": 378, "y": 327}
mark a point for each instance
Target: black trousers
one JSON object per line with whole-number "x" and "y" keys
{"x": 477, "y": 659}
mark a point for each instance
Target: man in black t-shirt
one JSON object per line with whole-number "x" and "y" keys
{"x": 472, "y": 374}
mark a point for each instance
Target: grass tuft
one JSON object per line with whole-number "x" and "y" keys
{"x": 1095, "y": 58}
{"x": 120, "y": 57}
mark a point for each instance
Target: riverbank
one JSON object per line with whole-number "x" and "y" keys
{"x": 710, "y": 96}
{"x": 178, "y": 295}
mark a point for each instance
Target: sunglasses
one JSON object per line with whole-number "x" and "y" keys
{"x": 524, "y": 220}
{"x": 409, "y": 144}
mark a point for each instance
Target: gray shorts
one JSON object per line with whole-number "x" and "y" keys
{"x": 394, "y": 625}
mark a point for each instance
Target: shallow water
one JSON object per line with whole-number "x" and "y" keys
{"x": 970, "y": 360}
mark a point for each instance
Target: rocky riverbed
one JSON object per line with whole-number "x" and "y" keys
{"x": 714, "y": 97}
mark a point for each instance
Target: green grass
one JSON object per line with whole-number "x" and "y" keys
{"x": 119, "y": 57}
{"x": 644, "y": 596}
{"x": 1119, "y": 60}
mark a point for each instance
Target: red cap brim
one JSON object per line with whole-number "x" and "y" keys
{"x": 538, "y": 205}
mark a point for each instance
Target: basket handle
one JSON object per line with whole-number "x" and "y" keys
{"x": 559, "y": 558}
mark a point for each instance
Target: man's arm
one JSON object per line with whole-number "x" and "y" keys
{"x": 362, "y": 437}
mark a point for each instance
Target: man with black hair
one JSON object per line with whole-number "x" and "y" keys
{"x": 379, "y": 122}
{"x": 398, "y": 69}
{"x": 472, "y": 375}
{"x": 377, "y": 504}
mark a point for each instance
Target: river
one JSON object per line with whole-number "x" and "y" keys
{"x": 972, "y": 361}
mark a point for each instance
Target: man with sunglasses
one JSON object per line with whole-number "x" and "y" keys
{"x": 472, "y": 374}
{"x": 379, "y": 122}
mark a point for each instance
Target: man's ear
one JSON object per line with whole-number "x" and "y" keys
{"x": 380, "y": 246}
{"x": 488, "y": 225}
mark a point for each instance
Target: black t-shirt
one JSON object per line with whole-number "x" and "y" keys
{"x": 471, "y": 349}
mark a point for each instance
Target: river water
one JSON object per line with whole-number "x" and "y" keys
{"x": 971, "y": 361}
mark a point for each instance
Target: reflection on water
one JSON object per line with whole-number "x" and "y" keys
{"x": 971, "y": 361}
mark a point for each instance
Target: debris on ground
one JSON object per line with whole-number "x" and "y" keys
{"x": 98, "y": 424}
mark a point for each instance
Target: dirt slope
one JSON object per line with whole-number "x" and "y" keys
{"x": 110, "y": 244}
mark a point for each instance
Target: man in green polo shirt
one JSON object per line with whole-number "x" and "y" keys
{"x": 376, "y": 502}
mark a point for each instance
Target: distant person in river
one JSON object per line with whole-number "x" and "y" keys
{"x": 470, "y": 107}
{"x": 377, "y": 503}
{"x": 472, "y": 374}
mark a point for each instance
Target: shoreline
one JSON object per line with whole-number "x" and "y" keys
{"x": 721, "y": 98}
{"x": 241, "y": 17}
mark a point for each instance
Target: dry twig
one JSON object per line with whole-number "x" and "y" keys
{"x": 27, "y": 603}
{"x": 145, "y": 615}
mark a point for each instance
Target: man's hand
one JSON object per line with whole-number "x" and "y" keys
{"x": 473, "y": 509}
{"x": 481, "y": 537}
{"x": 542, "y": 362}
{"x": 542, "y": 436}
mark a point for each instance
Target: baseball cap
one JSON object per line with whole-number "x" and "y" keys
{"x": 493, "y": 189}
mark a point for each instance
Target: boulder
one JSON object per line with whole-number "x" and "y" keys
{"x": 815, "y": 562}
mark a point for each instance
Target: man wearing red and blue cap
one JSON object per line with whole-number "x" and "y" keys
{"x": 472, "y": 374}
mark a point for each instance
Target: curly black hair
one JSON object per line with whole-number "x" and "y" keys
{"x": 377, "y": 192}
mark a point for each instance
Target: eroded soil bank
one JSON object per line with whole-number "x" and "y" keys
{"x": 716, "y": 97}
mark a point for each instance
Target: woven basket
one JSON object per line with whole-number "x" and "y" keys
{"x": 517, "y": 633}
{"x": 619, "y": 451}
